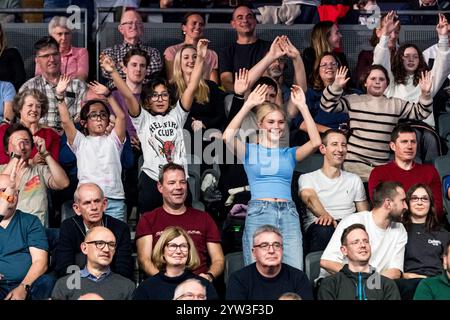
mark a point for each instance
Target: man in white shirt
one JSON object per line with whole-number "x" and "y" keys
{"x": 330, "y": 194}
{"x": 387, "y": 236}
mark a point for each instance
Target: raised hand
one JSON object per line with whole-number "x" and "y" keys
{"x": 441, "y": 28}
{"x": 389, "y": 23}
{"x": 107, "y": 63}
{"x": 40, "y": 144}
{"x": 298, "y": 96}
{"x": 202, "y": 47}
{"x": 241, "y": 81}
{"x": 62, "y": 85}
{"x": 340, "y": 80}
{"x": 98, "y": 88}
{"x": 425, "y": 82}
{"x": 257, "y": 96}
{"x": 197, "y": 125}
{"x": 290, "y": 50}
{"x": 276, "y": 49}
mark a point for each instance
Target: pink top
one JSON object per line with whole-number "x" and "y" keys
{"x": 211, "y": 59}
{"x": 73, "y": 63}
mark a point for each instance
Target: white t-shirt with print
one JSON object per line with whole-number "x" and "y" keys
{"x": 161, "y": 139}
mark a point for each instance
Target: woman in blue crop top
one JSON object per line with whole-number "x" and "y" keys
{"x": 269, "y": 170}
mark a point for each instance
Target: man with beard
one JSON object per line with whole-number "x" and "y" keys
{"x": 329, "y": 193}
{"x": 357, "y": 280}
{"x": 388, "y": 236}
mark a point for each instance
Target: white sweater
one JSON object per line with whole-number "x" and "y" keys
{"x": 410, "y": 92}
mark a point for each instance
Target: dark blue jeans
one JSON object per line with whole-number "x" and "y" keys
{"x": 41, "y": 289}
{"x": 317, "y": 237}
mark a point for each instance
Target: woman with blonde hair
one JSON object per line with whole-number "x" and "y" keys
{"x": 175, "y": 256}
{"x": 269, "y": 170}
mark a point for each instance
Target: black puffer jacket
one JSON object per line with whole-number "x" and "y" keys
{"x": 348, "y": 285}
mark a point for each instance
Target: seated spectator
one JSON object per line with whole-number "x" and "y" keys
{"x": 98, "y": 155}
{"x": 426, "y": 240}
{"x": 290, "y": 11}
{"x": 324, "y": 75}
{"x": 33, "y": 179}
{"x": 12, "y": 68}
{"x": 405, "y": 170}
{"x": 368, "y": 144}
{"x": 268, "y": 277}
{"x": 160, "y": 146}
{"x": 329, "y": 193}
{"x": 367, "y": 5}
{"x": 29, "y": 107}
{"x": 446, "y": 184}
{"x": 131, "y": 28}
{"x": 48, "y": 57}
{"x": 325, "y": 37}
{"x": 7, "y": 93}
{"x": 365, "y": 57}
{"x": 387, "y": 236}
{"x": 438, "y": 287}
{"x": 23, "y": 258}
{"x": 175, "y": 257}
{"x": 419, "y": 5}
{"x": 190, "y": 289}
{"x": 246, "y": 51}
{"x": 99, "y": 247}
{"x": 192, "y": 27}
{"x": 356, "y": 278}
{"x": 74, "y": 61}
{"x": 205, "y": 234}
{"x": 89, "y": 207}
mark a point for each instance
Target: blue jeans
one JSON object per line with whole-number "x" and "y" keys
{"x": 282, "y": 215}
{"x": 41, "y": 289}
{"x": 117, "y": 209}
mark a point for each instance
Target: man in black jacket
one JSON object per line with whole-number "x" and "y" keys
{"x": 357, "y": 280}
{"x": 90, "y": 205}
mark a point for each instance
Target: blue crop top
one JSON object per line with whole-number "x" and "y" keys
{"x": 269, "y": 171}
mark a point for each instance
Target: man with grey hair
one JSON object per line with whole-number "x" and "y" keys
{"x": 190, "y": 289}
{"x": 74, "y": 61}
{"x": 99, "y": 246}
{"x": 89, "y": 206}
{"x": 267, "y": 278}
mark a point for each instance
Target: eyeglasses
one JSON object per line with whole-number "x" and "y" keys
{"x": 129, "y": 24}
{"x": 359, "y": 242}
{"x": 265, "y": 246}
{"x": 48, "y": 55}
{"x": 100, "y": 244}
{"x": 416, "y": 199}
{"x": 95, "y": 116}
{"x": 172, "y": 247}
{"x": 164, "y": 96}
{"x": 191, "y": 296}
{"x": 328, "y": 65}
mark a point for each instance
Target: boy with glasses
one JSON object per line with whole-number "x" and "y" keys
{"x": 99, "y": 246}
{"x": 267, "y": 278}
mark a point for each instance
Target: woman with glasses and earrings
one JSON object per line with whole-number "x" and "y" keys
{"x": 98, "y": 155}
{"x": 175, "y": 256}
{"x": 29, "y": 106}
{"x": 426, "y": 240}
{"x": 160, "y": 130}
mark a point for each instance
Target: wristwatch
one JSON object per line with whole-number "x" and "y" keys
{"x": 26, "y": 286}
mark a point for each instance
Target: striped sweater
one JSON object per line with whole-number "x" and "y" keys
{"x": 372, "y": 120}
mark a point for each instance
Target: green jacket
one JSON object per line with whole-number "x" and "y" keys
{"x": 435, "y": 288}
{"x": 348, "y": 285}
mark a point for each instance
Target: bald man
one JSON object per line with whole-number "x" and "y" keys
{"x": 89, "y": 206}
{"x": 99, "y": 247}
{"x": 132, "y": 28}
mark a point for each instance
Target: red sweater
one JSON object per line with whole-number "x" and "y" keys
{"x": 420, "y": 173}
